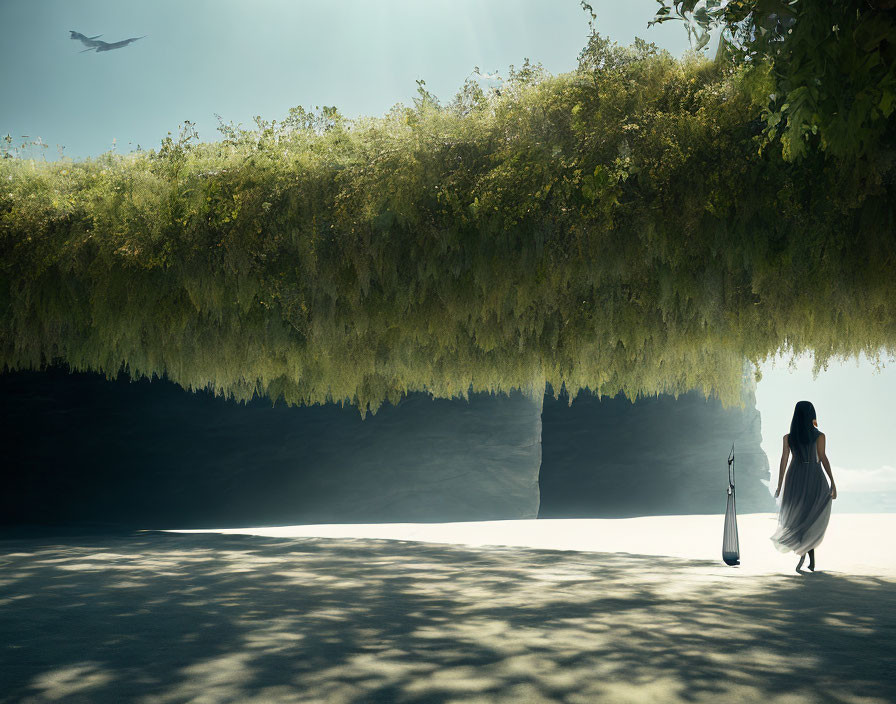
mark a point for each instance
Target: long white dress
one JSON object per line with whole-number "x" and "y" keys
{"x": 805, "y": 501}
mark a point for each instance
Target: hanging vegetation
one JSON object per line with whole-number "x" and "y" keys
{"x": 615, "y": 228}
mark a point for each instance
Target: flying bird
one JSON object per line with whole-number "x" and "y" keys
{"x": 86, "y": 41}
{"x": 109, "y": 46}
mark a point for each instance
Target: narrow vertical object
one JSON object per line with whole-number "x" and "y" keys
{"x": 730, "y": 543}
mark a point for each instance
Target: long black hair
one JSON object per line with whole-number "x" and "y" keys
{"x": 801, "y": 429}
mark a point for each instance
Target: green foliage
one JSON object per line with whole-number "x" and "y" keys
{"x": 832, "y": 64}
{"x": 614, "y": 228}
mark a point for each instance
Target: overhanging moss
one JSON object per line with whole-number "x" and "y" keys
{"x": 614, "y": 228}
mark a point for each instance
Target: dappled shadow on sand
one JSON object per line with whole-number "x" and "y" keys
{"x": 159, "y": 617}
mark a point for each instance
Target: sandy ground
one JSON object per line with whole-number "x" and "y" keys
{"x": 854, "y": 543}
{"x": 606, "y": 610}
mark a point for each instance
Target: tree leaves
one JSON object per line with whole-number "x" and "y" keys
{"x": 834, "y": 65}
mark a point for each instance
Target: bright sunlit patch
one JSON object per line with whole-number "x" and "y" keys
{"x": 851, "y": 544}
{"x": 72, "y": 680}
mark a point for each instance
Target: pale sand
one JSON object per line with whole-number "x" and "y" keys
{"x": 855, "y": 543}
{"x": 617, "y": 610}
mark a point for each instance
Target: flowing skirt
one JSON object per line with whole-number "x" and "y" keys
{"x": 805, "y": 509}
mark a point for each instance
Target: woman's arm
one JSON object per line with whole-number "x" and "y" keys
{"x": 826, "y": 464}
{"x": 785, "y": 453}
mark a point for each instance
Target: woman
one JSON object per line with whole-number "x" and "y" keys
{"x": 806, "y": 502}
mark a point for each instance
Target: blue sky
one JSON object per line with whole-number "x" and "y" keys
{"x": 240, "y": 58}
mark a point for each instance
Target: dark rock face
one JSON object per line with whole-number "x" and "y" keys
{"x": 658, "y": 456}
{"x": 149, "y": 454}
{"x": 80, "y": 449}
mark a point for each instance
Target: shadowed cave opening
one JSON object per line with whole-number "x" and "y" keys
{"x": 139, "y": 453}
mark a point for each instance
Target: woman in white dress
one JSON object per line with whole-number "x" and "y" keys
{"x": 806, "y": 502}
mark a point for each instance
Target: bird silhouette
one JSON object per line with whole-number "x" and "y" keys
{"x": 86, "y": 41}
{"x": 109, "y": 46}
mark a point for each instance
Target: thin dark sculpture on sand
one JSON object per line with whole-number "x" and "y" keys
{"x": 730, "y": 541}
{"x": 94, "y": 44}
{"x": 807, "y": 498}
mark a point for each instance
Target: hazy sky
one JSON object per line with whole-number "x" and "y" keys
{"x": 240, "y": 58}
